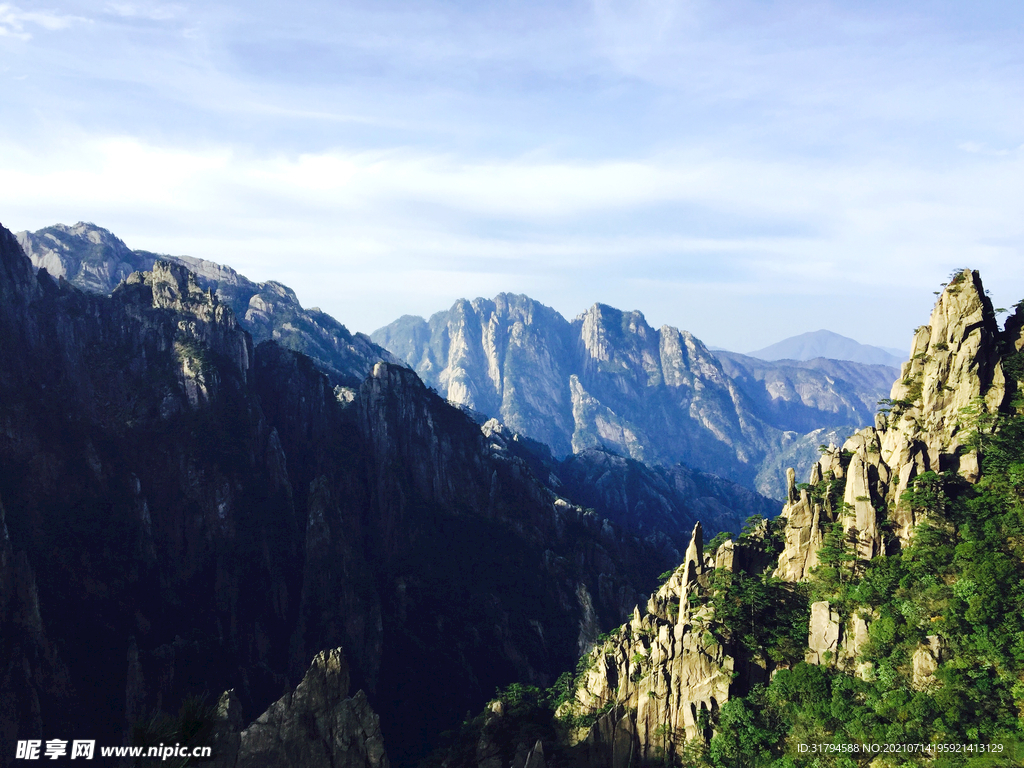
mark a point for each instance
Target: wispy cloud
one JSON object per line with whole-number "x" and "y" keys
{"x": 14, "y": 21}
{"x": 800, "y": 229}
{"x": 149, "y": 11}
{"x": 386, "y": 158}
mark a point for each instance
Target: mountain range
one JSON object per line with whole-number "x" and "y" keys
{"x": 95, "y": 260}
{"x": 604, "y": 381}
{"x": 607, "y": 380}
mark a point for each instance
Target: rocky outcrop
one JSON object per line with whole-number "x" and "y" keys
{"x": 954, "y": 376}
{"x": 953, "y": 383}
{"x": 925, "y": 662}
{"x": 658, "y": 681}
{"x": 85, "y": 255}
{"x": 954, "y": 368}
{"x": 318, "y": 725}
{"x": 822, "y": 634}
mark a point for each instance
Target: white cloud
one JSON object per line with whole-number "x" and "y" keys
{"x": 152, "y": 12}
{"x": 344, "y": 227}
{"x": 13, "y": 21}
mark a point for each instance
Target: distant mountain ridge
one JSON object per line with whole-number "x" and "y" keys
{"x": 823, "y": 343}
{"x": 95, "y": 260}
{"x": 607, "y": 380}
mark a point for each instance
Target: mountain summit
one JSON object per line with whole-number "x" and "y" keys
{"x": 807, "y": 346}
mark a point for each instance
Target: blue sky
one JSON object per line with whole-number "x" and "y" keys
{"x": 744, "y": 170}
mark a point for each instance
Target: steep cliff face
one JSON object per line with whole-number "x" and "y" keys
{"x": 657, "y": 682}
{"x": 953, "y": 379}
{"x": 93, "y": 259}
{"x": 609, "y": 381}
{"x": 507, "y": 357}
{"x": 218, "y": 514}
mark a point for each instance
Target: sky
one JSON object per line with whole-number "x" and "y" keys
{"x": 747, "y": 170}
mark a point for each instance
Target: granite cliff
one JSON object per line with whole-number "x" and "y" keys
{"x": 607, "y": 380}
{"x": 953, "y": 378}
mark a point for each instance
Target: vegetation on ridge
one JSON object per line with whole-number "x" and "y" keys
{"x": 956, "y": 588}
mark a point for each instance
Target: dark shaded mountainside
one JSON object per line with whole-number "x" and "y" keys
{"x": 185, "y": 513}
{"x": 661, "y": 504}
{"x": 607, "y": 380}
{"x": 880, "y": 617}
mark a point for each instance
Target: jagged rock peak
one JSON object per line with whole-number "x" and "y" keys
{"x": 202, "y": 316}
{"x": 656, "y": 682}
{"x": 316, "y": 726}
{"x": 954, "y": 374}
{"x": 174, "y": 287}
{"x": 954, "y": 365}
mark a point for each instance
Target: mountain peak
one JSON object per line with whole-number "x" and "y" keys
{"x": 828, "y": 344}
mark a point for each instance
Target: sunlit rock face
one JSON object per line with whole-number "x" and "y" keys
{"x": 651, "y": 681}
{"x": 952, "y": 382}
{"x": 609, "y": 381}
{"x": 606, "y": 380}
{"x": 954, "y": 375}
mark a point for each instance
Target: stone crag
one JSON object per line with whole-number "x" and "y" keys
{"x": 654, "y": 685}
{"x": 953, "y": 383}
{"x": 318, "y": 725}
{"x": 953, "y": 378}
